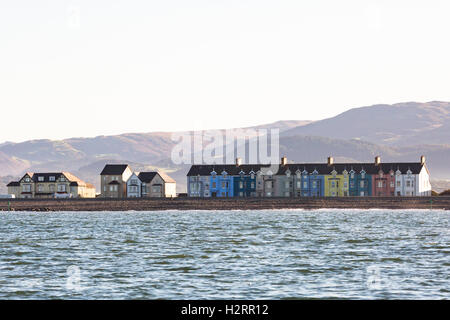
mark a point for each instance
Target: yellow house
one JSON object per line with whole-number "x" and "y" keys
{"x": 336, "y": 185}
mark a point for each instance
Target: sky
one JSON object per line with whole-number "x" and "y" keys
{"x": 100, "y": 67}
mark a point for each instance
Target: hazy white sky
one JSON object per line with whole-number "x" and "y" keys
{"x": 86, "y": 68}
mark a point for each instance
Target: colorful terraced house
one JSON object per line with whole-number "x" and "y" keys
{"x": 310, "y": 179}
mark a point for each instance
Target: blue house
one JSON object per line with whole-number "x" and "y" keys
{"x": 360, "y": 183}
{"x": 313, "y": 184}
{"x": 245, "y": 184}
{"x": 221, "y": 185}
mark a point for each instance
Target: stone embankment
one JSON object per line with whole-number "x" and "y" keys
{"x": 224, "y": 204}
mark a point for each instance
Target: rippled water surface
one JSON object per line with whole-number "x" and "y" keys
{"x": 225, "y": 254}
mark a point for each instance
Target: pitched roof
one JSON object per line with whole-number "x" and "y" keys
{"x": 322, "y": 168}
{"x": 231, "y": 169}
{"x": 114, "y": 169}
{"x": 166, "y": 177}
{"x": 13, "y": 184}
{"x": 45, "y": 177}
{"x": 146, "y": 177}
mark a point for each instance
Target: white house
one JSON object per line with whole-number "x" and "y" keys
{"x": 413, "y": 180}
{"x": 150, "y": 184}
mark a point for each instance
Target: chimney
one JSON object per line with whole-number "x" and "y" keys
{"x": 422, "y": 160}
{"x": 330, "y": 161}
{"x": 238, "y": 162}
{"x": 283, "y": 161}
{"x": 377, "y": 160}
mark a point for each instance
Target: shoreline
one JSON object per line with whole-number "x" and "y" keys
{"x": 157, "y": 204}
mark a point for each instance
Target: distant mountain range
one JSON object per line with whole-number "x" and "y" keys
{"x": 399, "y": 132}
{"x": 400, "y": 124}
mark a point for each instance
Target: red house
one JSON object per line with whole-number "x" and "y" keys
{"x": 383, "y": 183}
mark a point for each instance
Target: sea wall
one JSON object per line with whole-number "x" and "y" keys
{"x": 223, "y": 204}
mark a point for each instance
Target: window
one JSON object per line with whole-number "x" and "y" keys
{"x": 40, "y": 179}
{"x": 252, "y": 185}
{"x": 51, "y": 178}
{"x": 392, "y": 184}
{"x": 362, "y": 184}
{"x": 52, "y": 188}
{"x": 62, "y": 179}
{"x": 333, "y": 184}
{"x": 362, "y": 193}
{"x": 241, "y": 194}
{"x": 27, "y": 179}
{"x": 408, "y": 183}
{"x": 398, "y": 183}
{"x": 314, "y": 184}
{"x": 134, "y": 181}
{"x": 61, "y": 188}
{"x": 26, "y": 188}
{"x": 214, "y": 185}
{"x": 156, "y": 189}
{"x": 345, "y": 184}
{"x": 299, "y": 185}
{"x": 241, "y": 185}
{"x": 286, "y": 184}
{"x": 40, "y": 188}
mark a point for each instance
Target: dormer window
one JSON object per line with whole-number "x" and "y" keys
{"x": 252, "y": 174}
{"x": 51, "y": 178}
{"x": 409, "y": 172}
{"x": 224, "y": 173}
{"x": 352, "y": 174}
{"x": 345, "y": 172}
{"x": 315, "y": 172}
{"x": 242, "y": 173}
{"x": 213, "y": 173}
{"x": 40, "y": 179}
{"x": 334, "y": 173}
{"x": 288, "y": 173}
{"x": 398, "y": 172}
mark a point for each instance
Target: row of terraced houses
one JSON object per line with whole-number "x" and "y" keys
{"x": 285, "y": 179}
{"x": 328, "y": 179}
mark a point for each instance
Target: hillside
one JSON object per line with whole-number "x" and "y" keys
{"x": 400, "y": 124}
